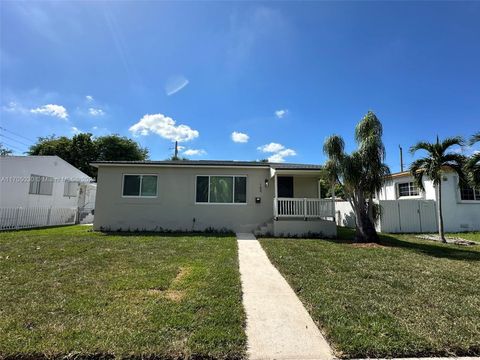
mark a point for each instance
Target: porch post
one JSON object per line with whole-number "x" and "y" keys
{"x": 275, "y": 199}
{"x": 276, "y": 185}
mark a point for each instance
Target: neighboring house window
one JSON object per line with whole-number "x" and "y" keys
{"x": 221, "y": 189}
{"x": 140, "y": 185}
{"x": 408, "y": 189}
{"x": 469, "y": 194}
{"x": 40, "y": 185}
{"x": 70, "y": 189}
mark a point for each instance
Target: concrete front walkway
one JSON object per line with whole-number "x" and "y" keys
{"x": 278, "y": 326}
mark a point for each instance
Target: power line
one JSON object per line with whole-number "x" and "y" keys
{"x": 21, "y": 136}
{"x": 11, "y": 146}
{"x": 10, "y": 138}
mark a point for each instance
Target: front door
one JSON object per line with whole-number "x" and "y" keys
{"x": 285, "y": 186}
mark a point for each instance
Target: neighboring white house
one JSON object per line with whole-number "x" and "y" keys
{"x": 406, "y": 208}
{"x": 282, "y": 199}
{"x": 41, "y": 190}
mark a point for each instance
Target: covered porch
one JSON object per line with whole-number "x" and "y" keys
{"x": 298, "y": 206}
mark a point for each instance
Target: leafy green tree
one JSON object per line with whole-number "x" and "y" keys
{"x": 326, "y": 189}
{"x": 5, "y": 151}
{"x": 115, "y": 148}
{"x": 361, "y": 173}
{"x": 83, "y": 148}
{"x": 52, "y": 145}
{"x": 434, "y": 165}
{"x": 472, "y": 166}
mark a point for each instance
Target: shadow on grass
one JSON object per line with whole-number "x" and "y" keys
{"x": 454, "y": 252}
{"x": 437, "y": 250}
{"x": 50, "y": 227}
{"x": 167, "y": 234}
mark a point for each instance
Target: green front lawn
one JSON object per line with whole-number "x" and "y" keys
{"x": 407, "y": 297}
{"x": 70, "y": 290}
{"x": 474, "y": 235}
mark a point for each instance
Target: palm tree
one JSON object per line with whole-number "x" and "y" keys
{"x": 472, "y": 167}
{"x": 437, "y": 161}
{"x": 361, "y": 173}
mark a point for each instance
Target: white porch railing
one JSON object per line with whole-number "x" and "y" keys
{"x": 303, "y": 208}
{"x": 23, "y": 218}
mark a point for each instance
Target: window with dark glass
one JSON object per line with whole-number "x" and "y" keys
{"x": 140, "y": 185}
{"x": 240, "y": 189}
{"x": 221, "y": 189}
{"x": 408, "y": 189}
{"x": 202, "y": 189}
{"x": 469, "y": 194}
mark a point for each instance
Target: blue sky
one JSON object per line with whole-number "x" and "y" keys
{"x": 287, "y": 73}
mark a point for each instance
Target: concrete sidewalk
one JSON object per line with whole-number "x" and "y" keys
{"x": 278, "y": 326}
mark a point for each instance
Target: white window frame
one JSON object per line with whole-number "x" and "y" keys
{"x": 216, "y": 203}
{"x": 140, "y": 192}
{"x": 67, "y": 185}
{"x": 41, "y": 178}
{"x": 409, "y": 189}
{"x": 460, "y": 200}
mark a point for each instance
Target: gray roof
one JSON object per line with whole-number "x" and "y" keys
{"x": 225, "y": 163}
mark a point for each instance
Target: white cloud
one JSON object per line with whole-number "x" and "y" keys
{"x": 175, "y": 84}
{"x": 280, "y": 156}
{"x": 194, "y": 152}
{"x": 96, "y": 112}
{"x": 89, "y": 98}
{"x": 51, "y": 110}
{"x": 13, "y": 107}
{"x": 75, "y": 130}
{"x": 163, "y": 126}
{"x": 239, "y": 137}
{"x": 281, "y": 113}
{"x": 278, "y": 151}
{"x": 271, "y": 148}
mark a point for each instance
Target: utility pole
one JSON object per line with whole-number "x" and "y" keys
{"x": 401, "y": 158}
{"x": 176, "y": 150}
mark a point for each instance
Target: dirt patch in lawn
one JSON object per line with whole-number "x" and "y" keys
{"x": 450, "y": 239}
{"x": 171, "y": 293}
{"x": 183, "y": 272}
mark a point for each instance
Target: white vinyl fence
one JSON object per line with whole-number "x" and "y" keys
{"x": 23, "y": 218}
{"x": 407, "y": 216}
{"x": 396, "y": 216}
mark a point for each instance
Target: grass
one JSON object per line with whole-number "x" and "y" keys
{"x": 407, "y": 297}
{"x": 69, "y": 290}
{"x": 474, "y": 235}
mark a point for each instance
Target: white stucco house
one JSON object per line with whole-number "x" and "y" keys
{"x": 42, "y": 190}
{"x": 406, "y": 208}
{"x": 187, "y": 195}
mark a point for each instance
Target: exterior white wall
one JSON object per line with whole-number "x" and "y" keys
{"x": 15, "y": 172}
{"x": 344, "y": 214}
{"x": 458, "y": 215}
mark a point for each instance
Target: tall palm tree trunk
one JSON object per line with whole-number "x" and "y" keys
{"x": 365, "y": 229}
{"x": 441, "y": 233}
